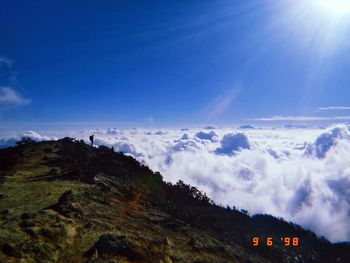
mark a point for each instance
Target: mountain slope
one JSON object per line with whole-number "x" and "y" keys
{"x": 64, "y": 201}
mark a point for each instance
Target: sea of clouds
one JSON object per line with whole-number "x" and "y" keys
{"x": 300, "y": 174}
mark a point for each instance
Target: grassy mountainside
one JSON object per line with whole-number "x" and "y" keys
{"x": 64, "y": 201}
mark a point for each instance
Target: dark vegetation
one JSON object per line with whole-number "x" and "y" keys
{"x": 65, "y": 201}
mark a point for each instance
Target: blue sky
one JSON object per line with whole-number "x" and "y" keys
{"x": 172, "y": 62}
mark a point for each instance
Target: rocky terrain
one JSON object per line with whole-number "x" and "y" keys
{"x": 64, "y": 201}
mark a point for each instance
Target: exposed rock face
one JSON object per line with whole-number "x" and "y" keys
{"x": 64, "y": 201}
{"x": 115, "y": 245}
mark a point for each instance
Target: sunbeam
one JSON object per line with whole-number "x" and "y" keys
{"x": 334, "y": 7}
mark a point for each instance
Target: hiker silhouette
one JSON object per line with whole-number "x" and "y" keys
{"x": 91, "y": 139}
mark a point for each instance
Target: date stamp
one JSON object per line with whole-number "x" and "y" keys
{"x": 269, "y": 241}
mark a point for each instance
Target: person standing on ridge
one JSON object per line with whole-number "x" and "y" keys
{"x": 91, "y": 139}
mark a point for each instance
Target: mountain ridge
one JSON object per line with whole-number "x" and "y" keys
{"x": 65, "y": 201}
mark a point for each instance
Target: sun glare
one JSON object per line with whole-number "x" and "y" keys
{"x": 335, "y": 7}
{"x": 321, "y": 27}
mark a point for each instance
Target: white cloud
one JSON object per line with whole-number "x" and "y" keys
{"x": 211, "y": 136}
{"x": 334, "y": 108}
{"x": 112, "y": 131}
{"x": 325, "y": 141}
{"x": 246, "y": 127}
{"x": 6, "y": 61}
{"x": 121, "y": 146}
{"x": 11, "y": 140}
{"x": 184, "y": 137}
{"x": 271, "y": 170}
{"x": 160, "y": 133}
{"x": 9, "y": 96}
{"x": 233, "y": 142}
{"x": 301, "y": 118}
{"x": 184, "y": 145}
